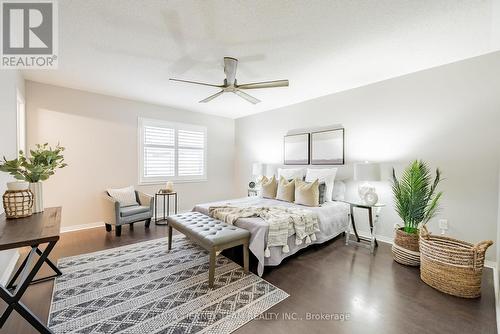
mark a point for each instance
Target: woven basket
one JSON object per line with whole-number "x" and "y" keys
{"x": 18, "y": 203}
{"x": 405, "y": 249}
{"x": 452, "y": 266}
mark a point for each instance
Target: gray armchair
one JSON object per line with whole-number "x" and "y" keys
{"x": 118, "y": 216}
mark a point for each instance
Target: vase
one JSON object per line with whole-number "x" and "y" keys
{"x": 37, "y": 190}
{"x": 405, "y": 249}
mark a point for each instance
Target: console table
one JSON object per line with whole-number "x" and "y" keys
{"x": 33, "y": 231}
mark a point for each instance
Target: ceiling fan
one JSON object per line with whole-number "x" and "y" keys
{"x": 231, "y": 85}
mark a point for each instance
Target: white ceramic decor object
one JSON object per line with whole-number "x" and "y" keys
{"x": 371, "y": 198}
{"x": 18, "y": 185}
{"x": 169, "y": 187}
{"x": 37, "y": 190}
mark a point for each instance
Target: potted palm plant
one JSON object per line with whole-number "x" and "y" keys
{"x": 38, "y": 167}
{"x": 416, "y": 201}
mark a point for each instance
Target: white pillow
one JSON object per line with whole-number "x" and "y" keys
{"x": 125, "y": 196}
{"x": 291, "y": 173}
{"x": 326, "y": 175}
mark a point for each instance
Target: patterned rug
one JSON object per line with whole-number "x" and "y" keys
{"x": 142, "y": 288}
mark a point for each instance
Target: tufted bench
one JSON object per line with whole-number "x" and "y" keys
{"x": 211, "y": 234}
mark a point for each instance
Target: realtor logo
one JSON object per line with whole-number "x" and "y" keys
{"x": 29, "y": 34}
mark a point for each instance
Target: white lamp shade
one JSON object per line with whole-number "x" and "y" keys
{"x": 257, "y": 169}
{"x": 367, "y": 171}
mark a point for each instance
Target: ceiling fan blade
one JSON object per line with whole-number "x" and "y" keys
{"x": 230, "y": 65}
{"x": 247, "y": 97}
{"x": 264, "y": 84}
{"x": 196, "y": 83}
{"x": 211, "y": 97}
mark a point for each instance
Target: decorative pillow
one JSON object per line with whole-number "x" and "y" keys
{"x": 322, "y": 189}
{"x": 286, "y": 190}
{"x": 269, "y": 187}
{"x": 307, "y": 193}
{"x": 326, "y": 175}
{"x": 291, "y": 173}
{"x": 125, "y": 196}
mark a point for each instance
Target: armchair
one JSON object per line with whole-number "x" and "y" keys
{"x": 118, "y": 216}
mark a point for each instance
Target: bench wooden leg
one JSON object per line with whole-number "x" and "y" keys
{"x": 211, "y": 268}
{"x": 169, "y": 237}
{"x": 245, "y": 256}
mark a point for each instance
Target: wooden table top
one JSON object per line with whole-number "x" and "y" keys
{"x": 37, "y": 229}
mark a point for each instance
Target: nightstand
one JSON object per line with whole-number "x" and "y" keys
{"x": 373, "y": 216}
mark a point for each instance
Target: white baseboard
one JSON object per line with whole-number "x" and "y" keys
{"x": 9, "y": 268}
{"x": 380, "y": 238}
{"x": 73, "y": 228}
{"x": 490, "y": 264}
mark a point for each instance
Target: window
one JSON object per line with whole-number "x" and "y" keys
{"x": 171, "y": 151}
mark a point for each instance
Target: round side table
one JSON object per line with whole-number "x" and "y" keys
{"x": 166, "y": 207}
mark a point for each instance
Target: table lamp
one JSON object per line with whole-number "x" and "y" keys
{"x": 367, "y": 171}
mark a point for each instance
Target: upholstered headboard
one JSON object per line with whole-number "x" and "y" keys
{"x": 344, "y": 172}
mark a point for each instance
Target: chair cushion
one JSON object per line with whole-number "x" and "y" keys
{"x": 133, "y": 210}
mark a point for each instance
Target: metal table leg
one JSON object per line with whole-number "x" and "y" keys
{"x": 11, "y": 285}
{"x": 354, "y": 223}
{"x": 175, "y": 203}
{"x": 156, "y": 208}
{"x": 27, "y": 276}
{"x": 373, "y": 240}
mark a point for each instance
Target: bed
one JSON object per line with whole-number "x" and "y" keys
{"x": 332, "y": 216}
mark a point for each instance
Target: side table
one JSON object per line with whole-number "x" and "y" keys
{"x": 373, "y": 216}
{"x": 166, "y": 207}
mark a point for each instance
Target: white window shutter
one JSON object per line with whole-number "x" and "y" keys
{"x": 171, "y": 151}
{"x": 191, "y": 153}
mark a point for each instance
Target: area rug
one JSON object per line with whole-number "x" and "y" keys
{"x": 142, "y": 288}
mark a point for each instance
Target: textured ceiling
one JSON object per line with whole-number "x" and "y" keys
{"x": 130, "y": 48}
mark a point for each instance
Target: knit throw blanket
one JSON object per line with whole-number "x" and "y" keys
{"x": 283, "y": 223}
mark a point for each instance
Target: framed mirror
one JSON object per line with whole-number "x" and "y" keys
{"x": 296, "y": 149}
{"x": 327, "y": 147}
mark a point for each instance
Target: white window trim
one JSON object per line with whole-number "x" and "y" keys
{"x": 176, "y": 126}
{"x": 21, "y": 140}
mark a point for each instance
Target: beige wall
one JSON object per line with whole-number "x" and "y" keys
{"x": 448, "y": 116}
{"x": 100, "y": 134}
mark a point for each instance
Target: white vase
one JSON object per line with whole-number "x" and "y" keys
{"x": 18, "y": 185}
{"x": 37, "y": 190}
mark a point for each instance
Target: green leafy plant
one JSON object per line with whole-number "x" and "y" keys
{"x": 39, "y": 166}
{"x": 415, "y": 196}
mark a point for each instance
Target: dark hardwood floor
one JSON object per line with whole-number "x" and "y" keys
{"x": 376, "y": 294}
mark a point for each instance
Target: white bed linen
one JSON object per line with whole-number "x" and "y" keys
{"x": 333, "y": 220}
